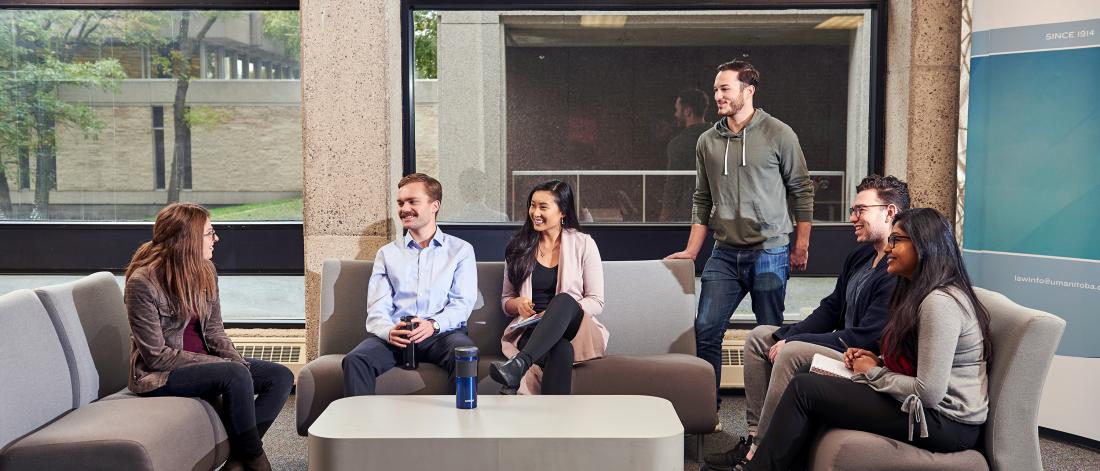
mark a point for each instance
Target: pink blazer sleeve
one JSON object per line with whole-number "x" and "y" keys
{"x": 508, "y": 293}
{"x": 592, "y": 273}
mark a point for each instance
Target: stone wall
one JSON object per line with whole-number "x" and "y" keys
{"x": 255, "y": 148}
{"x": 259, "y": 148}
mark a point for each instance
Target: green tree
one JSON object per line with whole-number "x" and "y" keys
{"x": 38, "y": 54}
{"x": 279, "y": 25}
{"x": 181, "y": 57}
{"x": 425, "y": 43}
{"x": 41, "y": 50}
{"x": 285, "y": 26}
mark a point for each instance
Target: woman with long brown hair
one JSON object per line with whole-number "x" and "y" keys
{"x": 179, "y": 345}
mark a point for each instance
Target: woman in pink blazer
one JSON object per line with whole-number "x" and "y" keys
{"x": 559, "y": 276}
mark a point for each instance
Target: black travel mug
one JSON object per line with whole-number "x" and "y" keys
{"x": 408, "y": 359}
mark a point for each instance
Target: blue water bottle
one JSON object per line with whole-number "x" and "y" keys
{"x": 466, "y": 377}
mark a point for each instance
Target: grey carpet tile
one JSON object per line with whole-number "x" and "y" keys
{"x": 287, "y": 450}
{"x": 1067, "y": 456}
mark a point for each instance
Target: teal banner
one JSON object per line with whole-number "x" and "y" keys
{"x": 1032, "y": 197}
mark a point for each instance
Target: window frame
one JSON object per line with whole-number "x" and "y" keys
{"x": 78, "y": 248}
{"x": 637, "y": 241}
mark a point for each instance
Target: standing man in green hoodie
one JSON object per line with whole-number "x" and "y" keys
{"x": 750, "y": 174}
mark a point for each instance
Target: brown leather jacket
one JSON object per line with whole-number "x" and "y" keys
{"x": 156, "y": 346}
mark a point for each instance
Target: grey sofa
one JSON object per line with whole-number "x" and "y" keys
{"x": 63, "y": 400}
{"x": 1024, "y": 341}
{"x": 650, "y": 312}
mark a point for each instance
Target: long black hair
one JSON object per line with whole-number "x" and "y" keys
{"x": 520, "y": 253}
{"x": 939, "y": 267}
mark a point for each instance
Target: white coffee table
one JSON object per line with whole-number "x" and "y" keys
{"x": 408, "y": 433}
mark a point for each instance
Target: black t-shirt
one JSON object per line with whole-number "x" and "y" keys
{"x": 544, "y": 283}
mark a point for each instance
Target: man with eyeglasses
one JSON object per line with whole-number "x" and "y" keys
{"x": 853, "y": 315}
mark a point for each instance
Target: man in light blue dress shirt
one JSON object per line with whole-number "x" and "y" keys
{"x": 426, "y": 274}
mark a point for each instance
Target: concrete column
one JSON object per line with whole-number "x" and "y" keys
{"x": 471, "y": 113}
{"x": 922, "y": 99}
{"x": 351, "y": 119}
{"x": 220, "y": 64}
{"x": 203, "y": 67}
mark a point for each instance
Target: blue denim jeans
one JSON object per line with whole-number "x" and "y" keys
{"x": 728, "y": 276}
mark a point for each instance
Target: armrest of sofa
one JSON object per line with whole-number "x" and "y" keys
{"x": 684, "y": 380}
{"x": 320, "y": 382}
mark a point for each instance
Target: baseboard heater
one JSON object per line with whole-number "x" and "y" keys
{"x": 733, "y": 359}
{"x": 288, "y": 351}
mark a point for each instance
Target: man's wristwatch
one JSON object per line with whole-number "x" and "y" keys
{"x": 435, "y": 325}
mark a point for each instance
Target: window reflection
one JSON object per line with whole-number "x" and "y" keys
{"x": 598, "y": 99}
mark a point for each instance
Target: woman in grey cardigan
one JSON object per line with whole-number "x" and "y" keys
{"x": 929, "y": 387}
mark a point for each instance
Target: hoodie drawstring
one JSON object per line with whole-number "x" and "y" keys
{"x": 726, "y": 158}
{"x": 744, "y": 141}
{"x": 726, "y": 154}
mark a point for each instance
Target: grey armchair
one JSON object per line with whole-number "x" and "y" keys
{"x": 1024, "y": 341}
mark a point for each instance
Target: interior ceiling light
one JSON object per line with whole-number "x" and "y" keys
{"x": 603, "y": 21}
{"x": 841, "y": 22}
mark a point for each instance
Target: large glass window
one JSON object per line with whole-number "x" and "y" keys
{"x": 506, "y": 99}
{"x": 106, "y": 116}
{"x": 109, "y": 115}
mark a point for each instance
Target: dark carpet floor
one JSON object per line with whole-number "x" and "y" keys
{"x": 287, "y": 450}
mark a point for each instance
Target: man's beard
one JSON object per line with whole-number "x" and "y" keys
{"x": 735, "y": 107}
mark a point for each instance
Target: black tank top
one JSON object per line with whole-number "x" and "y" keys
{"x": 544, "y": 284}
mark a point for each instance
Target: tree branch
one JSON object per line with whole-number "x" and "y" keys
{"x": 91, "y": 30}
{"x": 83, "y": 26}
{"x": 206, "y": 28}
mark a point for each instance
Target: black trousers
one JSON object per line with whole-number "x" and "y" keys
{"x": 548, "y": 343}
{"x": 374, "y": 356}
{"x": 812, "y": 401}
{"x": 252, "y": 397}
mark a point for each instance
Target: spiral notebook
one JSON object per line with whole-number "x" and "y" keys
{"x": 824, "y": 365}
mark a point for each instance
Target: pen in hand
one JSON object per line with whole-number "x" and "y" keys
{"x": 847, "y": 359}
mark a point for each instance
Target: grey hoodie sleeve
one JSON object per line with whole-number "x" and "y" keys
{"x": 701, "y": 201}
{"x": 800, "y": 189}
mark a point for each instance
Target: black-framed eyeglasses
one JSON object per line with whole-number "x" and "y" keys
{"x": 858, "y": 209}
{"x": 894, "y": 238}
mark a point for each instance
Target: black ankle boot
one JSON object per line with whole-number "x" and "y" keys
{"x": 257, "y": 463}
{"x": 510, "y": 373}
